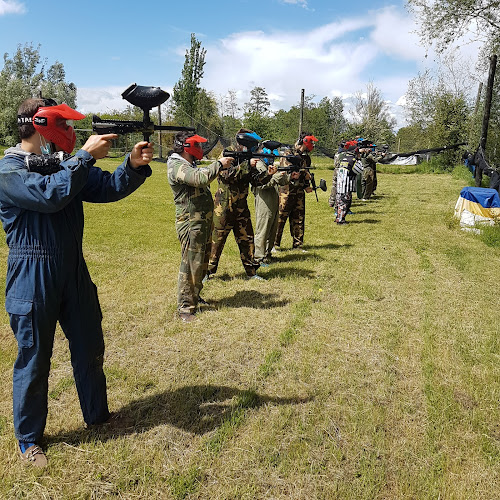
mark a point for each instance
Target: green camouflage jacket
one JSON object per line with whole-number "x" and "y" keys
{"x": 192, "y": 196}
{"x": 232, "y": 191}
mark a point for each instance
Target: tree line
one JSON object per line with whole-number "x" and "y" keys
{"x": 440, "y": 109}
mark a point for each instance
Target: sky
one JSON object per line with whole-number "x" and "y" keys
{"x": 327, "y": 47}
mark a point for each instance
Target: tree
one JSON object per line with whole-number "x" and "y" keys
{"x": 187, "y": 89}
{"x": 24, "y": 76}
{"x": 231, "y": 104}
{"x": 372, "y": 117}
{"x": 446, "y": 21}
{"x": 256, "y": 115}
{"x": 259, "y": 102}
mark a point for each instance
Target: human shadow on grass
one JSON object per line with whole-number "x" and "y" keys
{"x": 250, "y": 298}
{"x": 287, "y": 272}
{"x": 197, "y": 409}
{"x": 365, "y": 221}
{"x": 326, "y": 246}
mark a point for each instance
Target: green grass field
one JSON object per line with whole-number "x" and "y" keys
{"x": 367, "y": 368}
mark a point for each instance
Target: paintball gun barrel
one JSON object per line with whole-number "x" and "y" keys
{"x": 145, "y": 98}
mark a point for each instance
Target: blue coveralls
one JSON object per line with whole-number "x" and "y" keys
{"x": 48, "y": 279}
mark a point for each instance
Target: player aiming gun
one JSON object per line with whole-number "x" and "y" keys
{"x": 250, "y": 144}
{"x": 145, "y": 98}
{"x": 296, "y": 165}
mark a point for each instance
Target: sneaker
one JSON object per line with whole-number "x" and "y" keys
{"x": 342, "y": 222}
{"x": 257, "y": 278}
{"x": 202, "y": 302}
{"x": 33, "y": 455}
{"x": 264, "y": 264}
{"x": 187, "y": 317}
{"x": 276, "y": 249}
{"x": 205, "y": 278}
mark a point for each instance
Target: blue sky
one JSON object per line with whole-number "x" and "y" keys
{"x": 328, "y": 47}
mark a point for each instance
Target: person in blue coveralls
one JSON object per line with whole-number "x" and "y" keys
{"x": 42, "y": 190}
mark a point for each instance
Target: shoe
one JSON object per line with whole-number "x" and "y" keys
{"x": 350, "y": 213}
{"x": 187, "y": 317}
{"x": 364, "y": 199}
{"x": 342, "y": 222}
{"x": 202, "y": 302}
{"x": 257, "y": 278}
{"x": 276, "y": 249}
{"x": 205, "y": 278}
{"x": 264, "y": 264}
{"x": 34, "y": 455}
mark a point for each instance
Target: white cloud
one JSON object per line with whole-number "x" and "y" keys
{"x": 11, "y": 7}
{"x": 336, "y": 59}
{"x": 395, "y": 35}
{"x": 104, "y": 99}
{"x": 302, "y": 3}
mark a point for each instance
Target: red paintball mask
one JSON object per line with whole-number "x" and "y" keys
{"x": 52, "y": 123}
{"x": 192, "y": 146}
{"x": 309, "y": 141}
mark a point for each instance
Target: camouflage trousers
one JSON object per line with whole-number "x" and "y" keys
{"x": 195, "y": 250}
{"x": 368, "y": 182}
{"x": 237, "y": 220}
{"x": 332, "y": 200}
{"x": 292, "y": 207}
{"x": 344, "y": 201}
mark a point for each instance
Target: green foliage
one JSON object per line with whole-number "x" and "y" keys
{"x": 187, "y": 89}
{"x": 372, "y": 118}
{"x": 24, "y": 75}
{"x": 451, "y": 19}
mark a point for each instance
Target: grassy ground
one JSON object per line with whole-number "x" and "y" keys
{"x": 365, "y": 368}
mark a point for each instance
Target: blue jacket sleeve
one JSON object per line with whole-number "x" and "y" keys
{"x": 104, "y": 187}
{"x": 43, "y": 193}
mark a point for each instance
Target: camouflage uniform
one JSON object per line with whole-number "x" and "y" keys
{"x": 231, "y": 212}
{"x": 346, "y": 183}
{"x": 332, "y": 200}
{"x": 193, "y": 223}
{"x": 292, "y": 204}
{"x": 368, "y": 181}
{"x": 266, "y": 214}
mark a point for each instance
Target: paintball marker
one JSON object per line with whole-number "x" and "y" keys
{"x": 251, "y": 143}
{"x": 145, "y": 98}
{"x": 322, "y": 185}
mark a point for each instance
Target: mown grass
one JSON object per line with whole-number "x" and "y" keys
{"x": 367, "y": 367}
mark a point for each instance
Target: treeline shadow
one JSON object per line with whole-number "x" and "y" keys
{"x": 197, "y": 409}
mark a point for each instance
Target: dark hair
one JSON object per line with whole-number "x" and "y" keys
{"x": 28, "y": 109}
{"x": 300, "y": 140}
{"x": 179, "y": 140}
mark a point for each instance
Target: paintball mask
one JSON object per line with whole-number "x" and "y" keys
{"x": 249, "y": 140}
{"x": 267, "y": 151}
{"x": 193, "y": 147}
{"x": 309, "y": 141}
{"x": 53, "y": 124}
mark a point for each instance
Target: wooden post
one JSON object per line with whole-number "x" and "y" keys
{"x": 160, "y": 153}
{"x": 478, "y": 98}
{"x": 301, "y": 111}
{"x": 486, "y": 116}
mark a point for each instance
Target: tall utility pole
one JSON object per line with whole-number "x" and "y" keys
{"x": 160, "y": 154}
{"x": 486, "y": 116}
{"x": 301, "y": 111}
